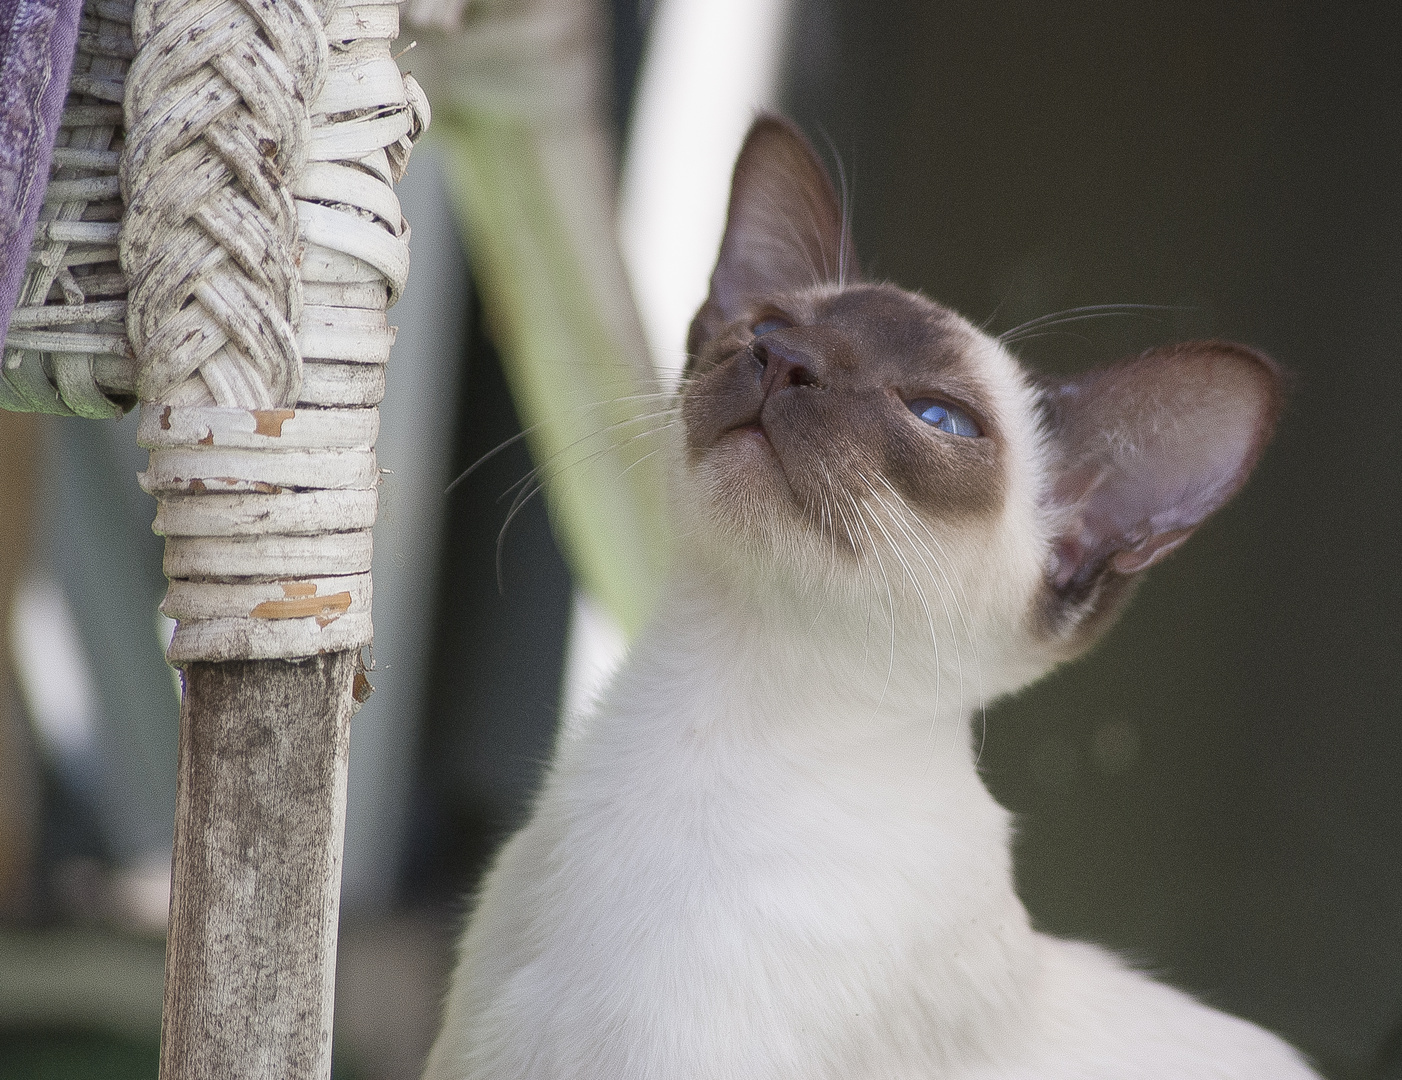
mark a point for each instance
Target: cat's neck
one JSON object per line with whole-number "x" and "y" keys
{"x": 807, "y": 671}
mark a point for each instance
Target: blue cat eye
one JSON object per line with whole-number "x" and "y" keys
{"x": 766, "y": 326}
{"x": 946, "y": 417}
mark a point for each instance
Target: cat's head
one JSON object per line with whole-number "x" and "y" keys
{"x": 855, "y": 438}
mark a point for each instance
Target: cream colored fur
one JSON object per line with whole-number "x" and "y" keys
{"x": 769, "y": 856}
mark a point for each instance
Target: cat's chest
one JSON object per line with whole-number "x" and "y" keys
{"x": 746, "y": 864}
{"x": 784, "y": 917}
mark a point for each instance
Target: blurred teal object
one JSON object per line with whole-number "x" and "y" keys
{"x": 95, "y": 535}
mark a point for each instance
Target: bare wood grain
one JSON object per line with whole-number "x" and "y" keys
{"x": 260, "y": 818}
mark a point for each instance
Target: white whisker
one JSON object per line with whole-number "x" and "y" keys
{"x": 890, "y": 598}
{"x": 956, "y": 588}
{"x": 1077, "y": 314}
{"x": 929, "y": 619}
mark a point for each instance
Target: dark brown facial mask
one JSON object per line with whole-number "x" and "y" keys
{"x": 792, "y": 351}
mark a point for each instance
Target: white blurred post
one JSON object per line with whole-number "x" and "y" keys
{"x": 710, "y": 66}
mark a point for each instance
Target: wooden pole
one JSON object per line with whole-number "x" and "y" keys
{"x": 260, "y": 816}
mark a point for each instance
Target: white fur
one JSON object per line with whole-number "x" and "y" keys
{"x": 769, "y": 854}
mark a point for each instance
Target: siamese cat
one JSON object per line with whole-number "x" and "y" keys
{"x": 768, "y": 854}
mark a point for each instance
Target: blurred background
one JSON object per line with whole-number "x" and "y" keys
{"x": 1215, "y": 792}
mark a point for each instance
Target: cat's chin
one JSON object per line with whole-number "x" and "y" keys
{"x": 743, "y": 467}
{"x": 741, "y": 481}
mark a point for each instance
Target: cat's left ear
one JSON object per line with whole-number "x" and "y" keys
{"x": 1145, "y": 450}
{"x": 785, "y": 228}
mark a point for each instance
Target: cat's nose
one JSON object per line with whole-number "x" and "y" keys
{"x": 784, "y": 365}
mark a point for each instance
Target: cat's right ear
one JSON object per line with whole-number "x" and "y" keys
{"x": 785, "y": 228}
{"x": 1141, "y": 454}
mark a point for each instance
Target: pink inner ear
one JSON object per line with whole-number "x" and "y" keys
{"x": 785, "y": 228}
{"x": 1153, "y": 446}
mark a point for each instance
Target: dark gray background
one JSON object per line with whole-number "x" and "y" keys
{"x": 1215, "y": 791}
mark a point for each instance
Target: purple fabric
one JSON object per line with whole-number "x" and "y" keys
{"x": 37, "y": 40}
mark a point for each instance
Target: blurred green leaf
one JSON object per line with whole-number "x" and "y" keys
{"x": 530, "y": 170}
{"x": 552, "y": 288}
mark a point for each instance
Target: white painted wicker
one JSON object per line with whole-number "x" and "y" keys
{"x": 66, "y": 349}
{"x": 263, "y": 243}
